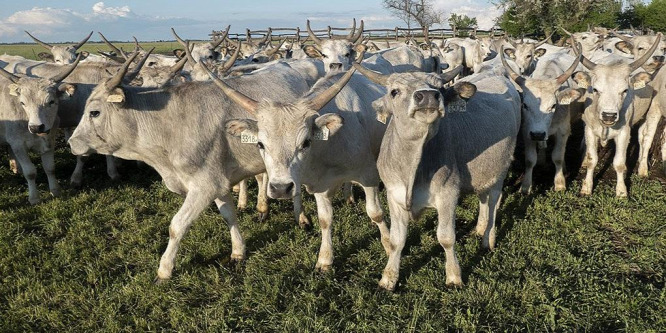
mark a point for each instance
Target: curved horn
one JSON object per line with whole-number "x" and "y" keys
{"x": 358, "y": 34}
{"x": 217, "y": 43}
{"x": 137, "y": 47}
{"x": 586, "y": 62}
{"x": 117, "y": 79}
{"x": 111, "y": 57}
{"x": 567, "y": 32}
{"x": 376, "y": 77}
{"x": 173, "y": 70}
{"x": 514, "y": 76}
{"x": 312, "y": 35}
{"x": 450, "y": 75}
{"x": 131, "y": 75}
{"x": 61, "y": 76}
{"x": 276, "y": 49}
{"x": 319, "y": 101}
{"x": 46, "y": 46}
{"x": 239, "y": 98}
{"x": 513, "y": 43}
{"x": 353, "y": 30}
{"x": 622, "y": 37}
{"x": 266, "y": 38}
{"x": 565, "y": 76}
{"x": 232, "y": 60}
{"x": 188, "y": 52}
{"x": 113, "y": 47}
{"x": 180, "y": 40}
{"x": 545, "y": 40}
{"x": 9, "y": 76}
{"x": 77, "y": 46}
{"x": 640, "y": 61}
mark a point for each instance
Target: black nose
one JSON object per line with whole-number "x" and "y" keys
{"x": 282, "y": 190}
{"x": 538, "y": 136}
{"x": 335, "y": 66}
{"x": 36, "y": 129}
{"x": 609, "y": 116}
{"x": 426, "y": 98}
{"x": 658, "y": 58}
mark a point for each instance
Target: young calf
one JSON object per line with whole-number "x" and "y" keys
{"x": 436, "y": 147}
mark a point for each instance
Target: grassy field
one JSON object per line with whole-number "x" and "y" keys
{"x": 30, "y": 51}
{"x": 86, "y": 262}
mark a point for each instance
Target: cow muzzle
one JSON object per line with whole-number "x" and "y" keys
{"x": 281, "y": 190}
{"x": 38, "y": 129}
{"x": 427, "y": 106}
{"x": 609, "y": 118}
{"x": 335, "y": 67}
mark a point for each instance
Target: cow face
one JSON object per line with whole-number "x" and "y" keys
{"x": 524, "y": 54}
{"x": 39, "y": 99}
{"x": 639, "y": 45}
{"x": 589, "y": 41}
{"x": 337, "y": 55}
{"x": 541, "y": 98}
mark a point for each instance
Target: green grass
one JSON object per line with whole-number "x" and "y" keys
{"x": 87, "y": 261}
{"x": 31, "y": 51}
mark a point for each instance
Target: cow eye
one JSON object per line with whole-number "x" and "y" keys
{"x": 52, "y": 102}
{"x": 323, "y": 55}
{"x": 260, "y": 145}
{"x": 94, "y": 114}
{"x": 22, "y": 104}
{"x": 395, "y": 92}
{"x": 347, "y": 55}
{"x": 641, "y": 48}
{"x": 306, "y": 144}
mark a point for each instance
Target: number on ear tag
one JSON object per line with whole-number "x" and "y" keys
{"x": 457, "y": 106}
{"x": 321, "y": 134}
{"x": 639, "y": 84}
{"x": 14, "y": 89}
{"x": 582, "y": 84}
{"x": 115, "y": 99}
{"x": 566, "y": 100}
{"x": 247, "y": 137}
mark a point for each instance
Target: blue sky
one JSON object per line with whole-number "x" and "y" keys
{"x": 66, "y": 20}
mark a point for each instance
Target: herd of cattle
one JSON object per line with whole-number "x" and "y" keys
{"x": 431, "y": 120}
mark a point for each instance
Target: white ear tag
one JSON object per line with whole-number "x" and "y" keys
{"x": 582, "y": 84}
{"x": 115, "y": 99}
{"x": 460, "y": 105}
{"x": 247, "y": 137}
{"x": 639, "y": 84}
{"x": 566, "y": 100}
{"x": 321, "y": 134}
{"x": 14, "y": 89}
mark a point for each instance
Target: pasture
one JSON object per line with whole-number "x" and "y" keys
{"x": 30, "y": 51}
{"x": 87, "y": 261}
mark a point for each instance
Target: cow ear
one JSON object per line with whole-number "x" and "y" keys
{"x": 14, "y": 89}
{"x": 640, "y": 80}
{"x": 65, "y": 91}
{"x": 179, "y": 53}
{"x": 539, "y": 52}
{"x": 330, "y": 122}
{"x": 383, "y": 112}
{"x": 84, "y": 54}
{"x": 582, "y": 79}
{"x": 511, "y": 53}
{"x": 567, "y": 96}
{"x": 312, "y": 51}
{"x": 465, "y": 89}
{"x": 117, "y": 96}
{"x": 45, "y": 56}
{"x": 624, "y": 47}
{"x": 236, "y": 127}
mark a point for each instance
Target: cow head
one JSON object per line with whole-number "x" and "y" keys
{"x": 639, "y": 45}
{"x": 105, "y": 102}
{"x": 337, "y": 54}
{"x": 39, "y": 97}
{"x": 60, "y": 54}
{"x": 541, "y": 97}
{"x": 206, "y": 52}
{"x": 525, "y": 54}
{"x": 286, "y": 132}
{"x": 612, "y": 84}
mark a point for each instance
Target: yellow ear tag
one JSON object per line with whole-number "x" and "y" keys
{"x": 247, "y": 137}
{"x": 115, "y": 99}
{"x": 14, "y": 89}
{"x": 382, "y": 118}
{"x": 639, "y": 84}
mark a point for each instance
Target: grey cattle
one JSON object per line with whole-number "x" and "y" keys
{"x": 618, "y": 101}
{"x": 337, "y": 54}
{"x": 179, "y": 131}
{"x": 547, "y": 106}
{"x": 29, "y": 120}
{"x": 321, "y": 145}
{"x": 638, "y": 46}
{"x": 437, "y": 147}
{"x": 526, "y": 54}
{"x": 60, "y": 54}
{"x": 654, "y": 115}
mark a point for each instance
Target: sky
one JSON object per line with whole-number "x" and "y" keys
{"x": 71, "y": 20}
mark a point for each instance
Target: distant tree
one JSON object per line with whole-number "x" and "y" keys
{"x": 422, "y": 12}
{"x": 462, "y": 21}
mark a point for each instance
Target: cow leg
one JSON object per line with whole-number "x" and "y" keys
{"x": 14, "y": 166}
{"x": 530, "y": 162}
{"x": 620, "y": 162}
{"x": 398, "y": 238}
{"x": 111, "y": 168}
{"x": 376, "y": 214}
{"x": 77, "y": 175}
{"x": 48, "y": 163}
{"x": 482, "y": 220}
{"x": 325, "y": 214}
{"x": 225, "y": 206}
{"x": 558, "y": 159}
{"x": 489, "y": 202}
{"x": 29, "y": 172}
{"x": 348, "y": 193}
{"x": 242, "y": 194}
{"x": 592, "y": 158}
{"x": 301, "y": 219}
{"x": 262, "y": 198}
{"x": 195, "y": 202}
{"x": 663, "y": 151}
{"x": 446, "y": 235}
{"x": 646, "y": 136}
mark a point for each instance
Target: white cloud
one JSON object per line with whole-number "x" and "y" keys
{"x": 99, "y": 9}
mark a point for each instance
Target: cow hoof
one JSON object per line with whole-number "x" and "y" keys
{"x": 454, "y": 282}
{"x": 237, "y": 258}
{"x": 560, "y": 188}
{"x": 34, "y": 201}
{"x": 304, "y": 222}
{"x": 621, "y": 194}
{"x": 526, "y": 190}
{"x": 663, "y": 167}
{"x": 386, "y": 284}
{"x": 241, "y": 207}
{"x": 263, "y": 216}
{"x": 642, "y": 172}
{"x": 159, "y": 281}
{"x": 323, "y": 268}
